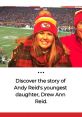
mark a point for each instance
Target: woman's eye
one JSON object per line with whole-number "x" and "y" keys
{"x": 41, "y": 33}
{"x": 50, "y": 34}
{"x": 81, "y": 23}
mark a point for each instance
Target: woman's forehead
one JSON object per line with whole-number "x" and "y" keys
{"x": 45, "y": 31}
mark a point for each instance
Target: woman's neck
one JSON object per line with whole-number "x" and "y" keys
{"x": 45, "y": 51}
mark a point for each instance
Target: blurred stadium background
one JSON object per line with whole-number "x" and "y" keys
{"x": 16, "y": 22}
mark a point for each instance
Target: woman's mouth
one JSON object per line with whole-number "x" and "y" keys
{"x": 44, "y": 42}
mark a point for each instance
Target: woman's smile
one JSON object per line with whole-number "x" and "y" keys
{"x": 45, "y": 39}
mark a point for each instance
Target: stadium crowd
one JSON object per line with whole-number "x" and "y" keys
{"x": 22, "y": 16}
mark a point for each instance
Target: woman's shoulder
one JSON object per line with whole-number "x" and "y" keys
{"x": 67, "y": 38}
{"x": 21, "y": 40}
{"x": 26, "y": 41}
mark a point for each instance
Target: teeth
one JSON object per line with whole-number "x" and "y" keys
{"x": 44, "y": 42}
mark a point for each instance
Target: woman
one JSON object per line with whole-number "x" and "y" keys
{"x": 43, "y": 48}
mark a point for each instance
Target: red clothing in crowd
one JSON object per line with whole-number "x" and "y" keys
{"x": 74, "y": 45}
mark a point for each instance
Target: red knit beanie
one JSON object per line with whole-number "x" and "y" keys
{"x": 77, "y": 17}
{"x": 45, "y": 22}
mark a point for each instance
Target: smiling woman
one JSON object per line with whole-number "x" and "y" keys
{"x": 42, "y": 48}
{"x": 45, "y": 39}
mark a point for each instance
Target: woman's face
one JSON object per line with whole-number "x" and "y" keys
{"x": 45, "y": 39}
{"x": 79, "y": 29}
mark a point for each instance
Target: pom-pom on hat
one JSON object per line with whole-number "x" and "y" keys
{"x": 45, "y": 22}
{"x": 77, "y": 17}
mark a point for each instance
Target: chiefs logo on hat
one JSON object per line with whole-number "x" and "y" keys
{"x": 45, "y": 25}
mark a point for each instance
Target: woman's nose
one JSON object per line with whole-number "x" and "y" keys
{"x": 45, "y": 36}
